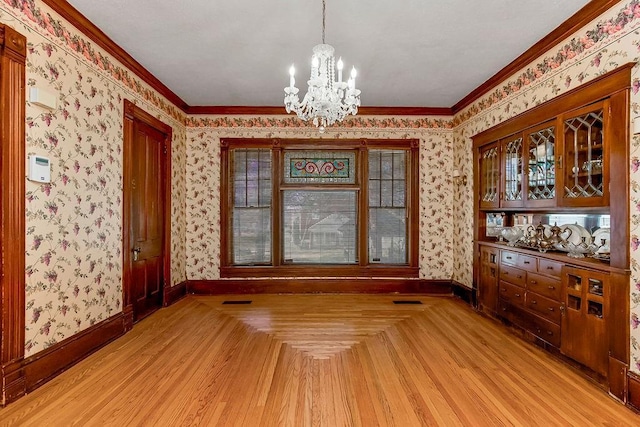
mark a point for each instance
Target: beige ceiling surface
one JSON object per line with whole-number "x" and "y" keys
{"x": 426, "y": 53}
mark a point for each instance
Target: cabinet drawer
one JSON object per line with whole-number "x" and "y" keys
{"x": 511, "y": 293}
{"x": 527, "y": 262}
{"x": 507, "y": 257}
{"x": 544, "y": 329}
{"x": 551, "y": 268}
{"x": 545, "y": 307}
{"x": 513, "y": 275}
{"x": 546, "y": 286}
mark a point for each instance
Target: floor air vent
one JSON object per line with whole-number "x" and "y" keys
{"x": 236, "y": 302}
{"x": 408, "y": 302}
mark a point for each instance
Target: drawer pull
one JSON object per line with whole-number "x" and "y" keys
{"x": 550, "y": 287}
{"x": 519, "y": 276}
{"x": 534, "y": 302}
{"x": 504, "y": 289}
{"x": 549, "y": 267}
{"x": 508, "y": 257}
{"x": 527, "y": 262}
{"x": 517, "y": 295}
{"x": 504, "y": 308}
{"x": 549, "y": 333}
{"x": 533, "y": 282}
{"x": 551, "y": 309}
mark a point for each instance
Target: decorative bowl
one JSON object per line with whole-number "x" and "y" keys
{"x": 512, "y": 234}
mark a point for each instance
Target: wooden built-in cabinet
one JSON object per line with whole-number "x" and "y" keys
{"x": 584, "y": 321}
{"x": 488, "y": 292}
{"x": 560, "y": 163}
{"x": 560, "y": 157}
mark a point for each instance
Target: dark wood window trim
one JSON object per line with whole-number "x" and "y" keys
{"x": 363, "y": 268}
{"x": 13, "y": 50}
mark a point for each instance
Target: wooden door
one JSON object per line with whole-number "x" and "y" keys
{"x": 541, "y": 185}
{"x": 512, "y": 171}
{"x": 488, "y": 284}
{"x": 489, "y": 176}
{"x": 146, "y": 214}
{"x": 584, "y": 316}
{"x": 585, "y": 177}
{"x": 147, "y": 220}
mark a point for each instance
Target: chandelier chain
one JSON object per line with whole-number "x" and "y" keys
{"x": 324, "y": 12}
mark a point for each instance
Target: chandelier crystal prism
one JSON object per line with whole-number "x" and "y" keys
{"x": 328, "y": 100}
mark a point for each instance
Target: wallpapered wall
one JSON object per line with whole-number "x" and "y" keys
{"x": 74, "y": 271}
{"x": 203, "y": 166}
{"x": 74, "y": 224}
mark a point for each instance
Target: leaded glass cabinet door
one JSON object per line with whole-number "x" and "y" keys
{"x": 584, "y": 161}
{"x": 490, "y": 176}
{"x": 541, "y": 165}
{"x": 512, "y": 153}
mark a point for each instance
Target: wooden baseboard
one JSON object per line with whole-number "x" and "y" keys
{"x": 633, "y": 393}
{"x": 463, "y": 292}
{"x": 174, "y": 293}
{"x": 276, "y": 286}
{"x": 617, "y": 379}
{"x": 46, "y": 364}
{"x": 13, "y": 382}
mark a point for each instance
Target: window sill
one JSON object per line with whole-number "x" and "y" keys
{"x": 349, "y": 271}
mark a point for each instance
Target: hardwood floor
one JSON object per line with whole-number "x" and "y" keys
{"x": 332, "y": 360}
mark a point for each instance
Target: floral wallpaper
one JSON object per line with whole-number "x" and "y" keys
{"x": 74, "y": 223}
{"x": 203, "y": 182}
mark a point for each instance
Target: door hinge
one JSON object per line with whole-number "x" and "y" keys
{"x": 164, "y": 149}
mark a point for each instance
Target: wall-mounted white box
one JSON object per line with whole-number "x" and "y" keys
{"x": 42, "y": 98}
{"x": 39, "y": 169}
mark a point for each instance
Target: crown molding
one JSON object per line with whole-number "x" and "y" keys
{"x": 277, "y": 110}
{"x": 585, "y": 15}
{"x": 588, "y": 13}
{"x": 88, "y": 28}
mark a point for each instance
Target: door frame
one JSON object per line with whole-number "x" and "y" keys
{"x": 13, "y": 50}
{"x": 134, "y": 113}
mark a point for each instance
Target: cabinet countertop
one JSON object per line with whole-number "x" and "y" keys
{"x": 562, "y": 257}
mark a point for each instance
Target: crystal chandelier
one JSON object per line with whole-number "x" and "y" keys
{"x": 328, "y": 100}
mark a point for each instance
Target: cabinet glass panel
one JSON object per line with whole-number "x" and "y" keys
{"x": 583, "y": 155}
{"x": 490, "y": 173}
{"x": 595, "y": 309}
{"x": 595, "y": 287}
{"x": 574, "y": 283}
{"x": 513, "y": 170}
{"x": 542, "y": 170}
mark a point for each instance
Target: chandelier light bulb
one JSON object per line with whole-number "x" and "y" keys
{"x": 292, "y": 81}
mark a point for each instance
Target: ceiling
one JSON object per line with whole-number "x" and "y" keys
{"x": 408, "y": 53}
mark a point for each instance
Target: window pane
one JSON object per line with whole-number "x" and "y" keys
{"x": 387, "y": 165}
{"x": 374, "y": 165}
{"x": 398, "y": 194}
{"x": 387, "y": 213}
{"x": 387, "y": 236}
{"x": 251, "y": 214}
{"x": 398, "y": 165}
{"x": 319, "y": 227}
{"x": 251, "y": 235}
{"x": 386, "y": 193}
{"x": 374, "y": 193}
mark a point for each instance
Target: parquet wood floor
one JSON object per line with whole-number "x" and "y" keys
{"x": 318, "y": 360}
